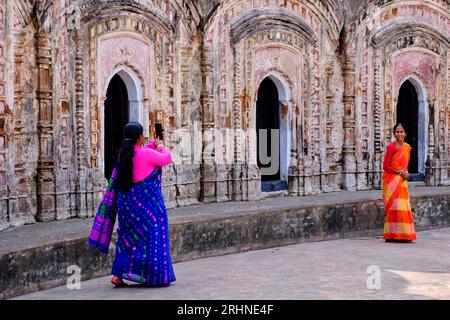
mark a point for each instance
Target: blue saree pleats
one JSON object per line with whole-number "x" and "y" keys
{"x": 143, "y": 246}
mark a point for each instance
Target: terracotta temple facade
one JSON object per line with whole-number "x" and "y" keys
{"x": 335, "y": 74}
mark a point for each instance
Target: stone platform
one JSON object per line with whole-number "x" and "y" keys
{"x": 36, "y": 257}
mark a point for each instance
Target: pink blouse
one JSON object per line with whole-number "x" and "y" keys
{"x": 146, "y": 159}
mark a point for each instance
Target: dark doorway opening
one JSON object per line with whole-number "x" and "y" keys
{"x": 408, "y": 114}
{"x": 268, "y": 117}
{"x": 116, "y": 117}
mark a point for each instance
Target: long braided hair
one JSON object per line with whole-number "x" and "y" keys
{"x": 131, "y": 133}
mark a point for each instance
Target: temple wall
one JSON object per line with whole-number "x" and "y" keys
{"x": 394, "y": 42}
{"x": 197, "y": 67}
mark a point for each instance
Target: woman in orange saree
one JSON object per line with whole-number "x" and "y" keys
{"x": 399, "y": 223}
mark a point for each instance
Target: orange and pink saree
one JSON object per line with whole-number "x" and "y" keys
{"x": 399, "y": 223}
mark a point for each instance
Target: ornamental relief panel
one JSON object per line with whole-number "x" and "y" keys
{"x": 142, "y": 48}
{"x": 124, "y": 49}
{"x": 421, "y": 63}
{"x": 426, "y": 47}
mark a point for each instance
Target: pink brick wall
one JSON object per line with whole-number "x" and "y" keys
{"x": 419, "y": 63}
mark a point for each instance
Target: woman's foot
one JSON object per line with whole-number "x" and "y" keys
{"x": 118, "y": 282}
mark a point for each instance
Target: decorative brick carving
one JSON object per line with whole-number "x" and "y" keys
{"x": 199, "y": 65}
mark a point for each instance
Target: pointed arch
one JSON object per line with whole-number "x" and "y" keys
{"x": 284, "y": 101}
{"x": 423, "y": 118}
{"x": 135, "y": 88}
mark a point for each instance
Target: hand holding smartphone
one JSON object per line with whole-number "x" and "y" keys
{"x": 159, "y": 131}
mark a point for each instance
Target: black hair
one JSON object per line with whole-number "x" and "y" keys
{"x": 131, "y": 133}
{"x": 400, "y": 125}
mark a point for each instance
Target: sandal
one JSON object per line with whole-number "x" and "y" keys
{"x": 118, "y": 282}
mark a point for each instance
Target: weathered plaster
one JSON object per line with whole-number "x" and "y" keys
{"x": 197, "y": 66}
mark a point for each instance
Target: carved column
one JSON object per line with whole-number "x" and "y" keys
{"x": 187, "y": 170}
{"x": 237, "y": 126}
{"x": 207, "y": 168}
{"x": 316, "y": 127}
{"x": 446, "y": 101}
{"x": 223, "y": 120}
{"x": 377, "y": 120}
{"x": 62, "y": 122}
{"x": 330, "y": 124}
{"x": 430, "y": 165}
{"x": 247, "y": 171}
{"x": 363, "y": 157}
{"x": 4, "y": 220}
{"x": 308, "y": 156}
{"x": 443, "y": 173}
{"x": 81, "y": 139}
{"x": 293, "y": 167}
{"x": 22, "y": 188}
{"x": 304, "y": 184}
{"x": 170, "y": 172}
{"x": 349, "y": 147}
{"x": 45, "y": 170}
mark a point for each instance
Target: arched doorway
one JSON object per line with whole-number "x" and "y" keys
{"x": 116, "y": 117}
{"x": 268, "y": 136}
{"x": 408, "y": 113}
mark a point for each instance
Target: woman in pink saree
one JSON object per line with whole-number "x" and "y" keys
{"x": 134, "y": 196}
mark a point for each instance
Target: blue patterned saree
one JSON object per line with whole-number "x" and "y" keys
{"x": 143, "y": 246}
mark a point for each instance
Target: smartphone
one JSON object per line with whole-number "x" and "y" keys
{"x": 159, "y": 131}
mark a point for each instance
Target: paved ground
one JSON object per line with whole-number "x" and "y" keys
{"x": 340, "y": 269}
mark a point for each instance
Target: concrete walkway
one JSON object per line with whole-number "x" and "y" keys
{"x": 338, "y": 269}
{"x": 40, "y": 234}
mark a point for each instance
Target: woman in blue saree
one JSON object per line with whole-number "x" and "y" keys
{"x": 134, "y": 195}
